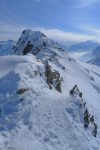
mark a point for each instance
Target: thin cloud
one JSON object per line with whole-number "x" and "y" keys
{"x": 85, "y": 3}
{"x": 91, "y": 29}
{"x": 14, "y": 32}
{"x": 64, "y": 37}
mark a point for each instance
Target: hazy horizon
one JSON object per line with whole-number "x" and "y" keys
{"x": 61, "y": 20}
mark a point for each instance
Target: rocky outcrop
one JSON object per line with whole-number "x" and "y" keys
{"x": 86, "y": 116}
{"x": 53, "y": 78}
{"x": 38, "y": 44}
{"x": 22, "y": 90}
{"x": 28, "y": 48}
{"x": 30, "y": 42}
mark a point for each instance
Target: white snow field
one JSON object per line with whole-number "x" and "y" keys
{"x": 41, "y": 118}
{"x": 35, "y": 117}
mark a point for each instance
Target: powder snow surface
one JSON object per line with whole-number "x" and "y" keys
{"x": 44, "y": 119}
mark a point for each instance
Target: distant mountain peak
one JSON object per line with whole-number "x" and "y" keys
{"x": 84, "y": 46}
{"x": 35, "y": 42}
{"x": 6, "y": 47}
{"x": 36, "y": 34}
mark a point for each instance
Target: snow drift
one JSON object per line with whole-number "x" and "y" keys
{"x": 37, "y": 116}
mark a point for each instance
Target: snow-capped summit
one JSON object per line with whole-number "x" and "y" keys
{"x": 47, "y": 93}
{"x": 34, "y": 34}
{"x": 29, "y": 41}
{"x": 36, "y": 43}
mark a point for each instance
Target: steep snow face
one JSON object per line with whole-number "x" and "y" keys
{"x": 36, "y": 43}
{"x": 95, "y": 61}
{"x": 40, "y": 118}
{"x": 92, "y": 57}
{"x": 6, "y": 47}
{"x": 86, "y": 52}
{"x": 29, "y": 41}
{"x": 96, "y": 57}
{"x": 86, "y": 57}
{"x": 96, "y": 51}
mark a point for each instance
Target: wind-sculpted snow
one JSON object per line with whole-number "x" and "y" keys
{"x": 33, "y": 113}
{"x": 41, "y": 118}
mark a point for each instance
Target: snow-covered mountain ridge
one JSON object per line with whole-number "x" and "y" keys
{"x": 34, "y": 113}
{"x": 36, "y": 43}
{"x": 95, "y": 56}
{"x": 92, "y": 57}
{"x": 6, "y": 47}
{"x": 86, "y": 46}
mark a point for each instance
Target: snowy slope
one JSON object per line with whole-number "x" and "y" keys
{"x": 95, "y": 57}
{"x": 42, "y": 118}
{"x": 92, "y": 57}
{"x": 33, "y": 116}
{"x": 83, "y": 46}
{"x": 96, "y": 51}
{"x": 6, "y": 47}
{"x": 95, "y": 61}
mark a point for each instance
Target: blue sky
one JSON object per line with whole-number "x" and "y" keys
{"x": 63, "y": 20}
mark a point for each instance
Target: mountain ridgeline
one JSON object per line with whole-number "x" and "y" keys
{"x": 6, "y": 47}
{"x": 51, "y": 101}
{"x": 36, "y": 43}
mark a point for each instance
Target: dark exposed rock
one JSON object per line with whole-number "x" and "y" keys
{"x": 21, "y": 99}
{"x": 22, "y": 90}
{"x": 95, "y": 130}
{"x": 87, "y": 117}
{"x": 27, "y": 48}
{"x": 80, "y": 94}
{"x": 91, "y": 78}
{"x": 91, "y": 119}
{"x": 14, "y": 48}
{"x": 35, "y": 73}
{"x": 58, "y": 86}
{"x": 53, "y": 76}
{"x": 44, "y": 44}
{"x": 75, "y": 90}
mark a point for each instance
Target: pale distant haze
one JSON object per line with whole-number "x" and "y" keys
{"x": 62, "y": 20}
